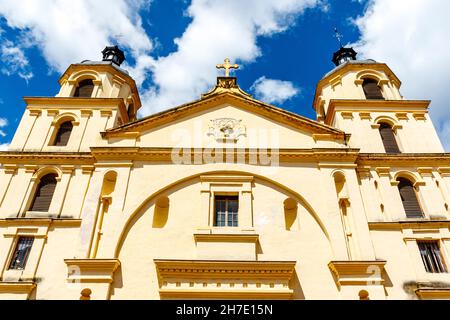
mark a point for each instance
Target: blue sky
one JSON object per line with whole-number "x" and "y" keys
{"x": 284, "y": 47}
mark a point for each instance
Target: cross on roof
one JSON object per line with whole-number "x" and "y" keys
{"x": 227, "y": 66}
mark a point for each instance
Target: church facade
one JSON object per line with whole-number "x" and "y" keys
{"x": 225, "y": 197}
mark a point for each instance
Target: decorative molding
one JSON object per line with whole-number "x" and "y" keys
{"x": 361, "y": 105}
{"x": 91, "y": 270}
{"x": 358, "y": 272}
{"x": 365, "y": 116}
{"x": 425, "y": 172}
{"x": 87, "y": 169}
{"x": 10, "y": 168}
{"x": 35, "y": 112}
{"x": 239, "y": 238}
{"x": 419, "y": 116}
{"x": 444, "y": 172}
{"x": 402, "y": 116}
{"x": 383, "y": 171}
{"x": 67, "y": 169}
{"x": 336, "y": 81}
{"x": 364, "y": 172}
{"x": 347, "y": 115}
{"x": 404, "y": 225}
{"x": 433, "y": 293}
{"x": 86, "y": 113}
{"x": 405, "y": 160}
{"x": 106, "y": 113}
{"x": 21, "y": 287}
{"x": 30, "y": 168}
{"x": 225, "y": 279}
{"x": 52, "y": 112}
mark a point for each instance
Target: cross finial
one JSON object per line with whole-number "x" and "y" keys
{"x": 338, "y": 36}
{"x": 227, "y": 66}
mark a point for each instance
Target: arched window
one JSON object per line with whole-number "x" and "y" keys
{"x": 372, "y": 90}
{"x": 44, "y": 193}
{"x": 409, "y": 199}
{"x": 63, "y": 134}
{"x": 84, "y": 89}
{"x": 388, "y": 138}
{"x": 131, "y": 113}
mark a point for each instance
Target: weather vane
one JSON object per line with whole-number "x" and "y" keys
{"x": 338, "y": 36}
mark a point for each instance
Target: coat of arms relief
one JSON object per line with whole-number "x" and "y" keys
{"x": 226, "y": 129}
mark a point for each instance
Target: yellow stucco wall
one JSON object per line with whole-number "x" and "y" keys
{"x": 149, "y": 234}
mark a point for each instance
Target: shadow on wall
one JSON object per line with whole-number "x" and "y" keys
{"x": 161, "y": 212}
{"x": 296, "y": 286}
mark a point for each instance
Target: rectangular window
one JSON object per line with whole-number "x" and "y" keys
{"x": 226, "y": 211}
{"x": 431, "y": 256}
{"x": 21, "y": 253}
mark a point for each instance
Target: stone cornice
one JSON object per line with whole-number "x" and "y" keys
{"x": 433, "y": 293}
{"x": 72, "y": 158}
{"x": 404, "y": 159}
{"x": 46, "y": 222}
{"x": 23, "y": 287}
{"x": 417, "y": 224}
{"x": 201, "y": 269}
{"x": 238, "y": 238}
{"x": 49, "y": 103}
{"x": 285, "y": 155}
{"x": 346, "y": 105}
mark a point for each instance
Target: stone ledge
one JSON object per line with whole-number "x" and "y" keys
{"x": 358, "y": 272}
{"x": 91, "y": 270}
{"x": 180, "y": 279}
{"x": 20, "y": 287}
{"x": 433, "y": 293}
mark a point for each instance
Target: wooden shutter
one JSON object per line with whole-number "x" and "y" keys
{"x": 389, "y": 142}
{"x": 409, "y": 199}
{"x": 84, "y": 89}
{"x": 372, "y": 90}
{"x": 63, "y": 134}
{"x": 44, "y": 193}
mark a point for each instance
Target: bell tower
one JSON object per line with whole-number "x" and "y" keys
{"x": 94, "y": 96}
{"x": 362, "y": 98}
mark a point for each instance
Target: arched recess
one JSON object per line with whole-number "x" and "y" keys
{"x": 389, "y": 120}
{"x": 413, "y": 177}
{"x": 85, "y": 75}
{"x": 60, "y": 120}
{"x": 36, "y": 181}
{"x": 133, "y": 214}
{"x": 370, "y": 74}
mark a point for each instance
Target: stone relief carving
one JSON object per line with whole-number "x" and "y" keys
{"x": 227, "y": 128}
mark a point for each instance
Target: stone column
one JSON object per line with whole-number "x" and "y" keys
{"x": 430, "y": 195}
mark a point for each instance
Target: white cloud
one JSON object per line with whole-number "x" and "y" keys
{"x": 4, "y": 146}
{"x": 274, "y": 91}
{"x": 14, "y": 61}
{"x": 411, "y": 36}
{"x": 3, "y": 123}
{"x": 70, "y": 31}
{"x": 218, "y": 29}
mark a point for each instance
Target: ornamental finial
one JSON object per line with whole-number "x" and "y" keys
{"x": 227, "y": 66}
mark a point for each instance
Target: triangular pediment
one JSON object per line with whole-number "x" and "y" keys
{"x": 240, "y": 101}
